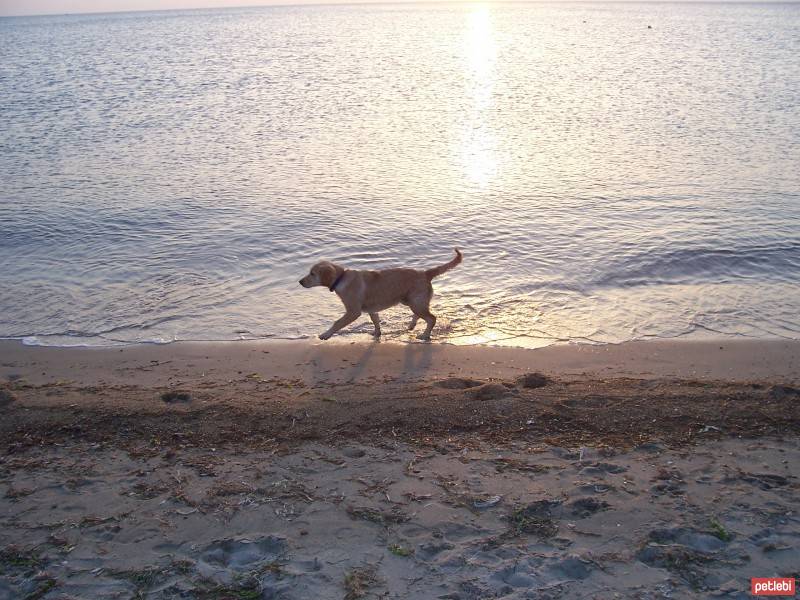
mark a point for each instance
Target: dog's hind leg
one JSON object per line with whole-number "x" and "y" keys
{"x": 376, "y": 320}
{"x": 430, "y": 320}
{"x": 419, "y": 303}
{"x": 422, "y": 311}
{"x": 413, "y": 323}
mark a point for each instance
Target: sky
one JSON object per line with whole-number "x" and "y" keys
{"x": 54, "y": 7}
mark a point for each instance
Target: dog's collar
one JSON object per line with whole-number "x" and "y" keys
{"x": 337, "y": 281}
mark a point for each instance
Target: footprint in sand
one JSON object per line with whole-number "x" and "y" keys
{"x": 458, "y": 383}
{"x": 242, "y": 554}
{"x": 586, "y": 507}
{"x": 515, "y": 577}
{"x": 492, "y": 391}
{"x": 602, "y": 468}
{"x": 532, "y": 380}
{"x": 572, "y": 567}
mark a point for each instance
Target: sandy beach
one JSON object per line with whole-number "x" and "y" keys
{"x": 373, "y": 470}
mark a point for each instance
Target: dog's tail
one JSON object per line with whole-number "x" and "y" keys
{"x": 436, "y": 271}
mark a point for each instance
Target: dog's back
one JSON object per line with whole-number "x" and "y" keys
{"x": 387, "y": 287}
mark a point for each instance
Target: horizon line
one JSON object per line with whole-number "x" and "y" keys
{"x": 314, "y": 3}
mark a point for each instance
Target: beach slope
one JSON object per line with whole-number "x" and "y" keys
{"x": 297, "y": 470}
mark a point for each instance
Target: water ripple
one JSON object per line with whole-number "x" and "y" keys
{"x": 174, "y": 174}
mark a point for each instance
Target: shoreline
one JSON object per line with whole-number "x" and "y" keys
{"x": 356, "y": 361}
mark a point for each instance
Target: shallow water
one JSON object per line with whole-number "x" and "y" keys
{"x": 172, "y": 175}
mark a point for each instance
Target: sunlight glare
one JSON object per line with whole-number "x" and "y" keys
{"x": 478, "y": 146}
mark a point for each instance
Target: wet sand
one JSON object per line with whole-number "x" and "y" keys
{"x": 299, "y": 470}
{"x": 339, "y": 360}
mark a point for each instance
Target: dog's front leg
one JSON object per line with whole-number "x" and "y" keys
{"x": 344, "y": 321}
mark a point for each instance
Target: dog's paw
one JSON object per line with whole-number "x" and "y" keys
{"x": 424, "y": 337}
{"x": 324, "y": 336}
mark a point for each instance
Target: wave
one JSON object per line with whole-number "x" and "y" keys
{"x": 779, "y": 262}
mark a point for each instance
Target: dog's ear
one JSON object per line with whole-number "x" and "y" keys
{"x": 327, "y": 275}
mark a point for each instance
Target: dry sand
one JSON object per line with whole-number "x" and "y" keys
{"x": 299, "y": 470}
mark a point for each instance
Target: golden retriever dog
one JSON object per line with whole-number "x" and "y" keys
{"x": 374, "y": 291}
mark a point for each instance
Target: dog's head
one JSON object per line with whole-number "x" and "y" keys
{"x": 322, "y": 273}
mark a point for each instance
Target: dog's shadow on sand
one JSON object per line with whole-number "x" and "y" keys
{"x": 357, "y": 370}
{"x": 416, "y": 361}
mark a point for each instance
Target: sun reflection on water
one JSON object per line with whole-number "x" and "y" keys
{"x": 478, "y": 141}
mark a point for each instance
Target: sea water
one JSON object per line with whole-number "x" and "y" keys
{"x": 611, "y": 171}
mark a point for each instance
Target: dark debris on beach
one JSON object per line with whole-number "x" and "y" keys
{"x": 614, "y": 412}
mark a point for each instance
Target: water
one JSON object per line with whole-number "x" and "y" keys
{"x": 171, "y": 175}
